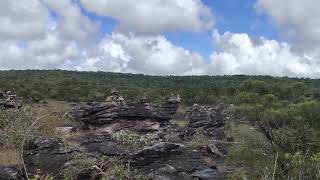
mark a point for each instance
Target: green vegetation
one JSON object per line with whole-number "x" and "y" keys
{"x": 291, "y": 125}
{"x": 90, "y": 86}
{"x": 17, "y": 127}
{"x": 105, "y": 168}
{"x": 130, "y": 139}
{"x": 279, "y": 133}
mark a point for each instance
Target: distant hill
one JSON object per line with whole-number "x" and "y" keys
{"x": 95, "y": 86}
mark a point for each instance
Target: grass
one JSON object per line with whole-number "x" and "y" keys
{"x": 249, "y": 153}
{"x": 200, "y": 140}
{"x": 130, "y": 139}
{"x": 245, "y": 134}
{"x": 9, "y": 157}
{"x": 32, "y": 120}
{"x": 105, "y": 168}
{"x": 180, "y": 122}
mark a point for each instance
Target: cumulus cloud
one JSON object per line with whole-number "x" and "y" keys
{"x": 142, "y": 54}
{"x": 240, "y": 54}
{"x": 71, "y": 23}
{"x": 59, "y": 40}
{"x": 33, "y": 38}
{"x": 68, "y": 41}
{"x": 297, "y": 20}
{"x": 47, "y": 53}
{"x": 22, "y": 20}
{"x": 154, "y": 16}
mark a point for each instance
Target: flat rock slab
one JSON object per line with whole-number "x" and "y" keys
{"x": 48, "y": 154}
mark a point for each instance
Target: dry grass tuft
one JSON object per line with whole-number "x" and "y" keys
{"x": 9, "y": 157}
{"x": 180, "y": 122}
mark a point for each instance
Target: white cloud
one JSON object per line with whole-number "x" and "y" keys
{"x": 47, "y": 53}
{"x": 142, "y": 54}
{"x": 58, "y": 41}
{"x": 22, "y": 20}
{"x": 240, "y": 54}
{"x": 31, "y": 38}
{"x": 71, "y": 23}
{"x": 154, "y": 16}
{"x": 297, "y": 20}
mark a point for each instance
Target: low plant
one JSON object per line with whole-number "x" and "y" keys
{"x": 129, "y": 139}
{"x": 105, "y": 168}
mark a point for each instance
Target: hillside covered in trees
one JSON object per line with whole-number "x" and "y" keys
{"x": 95, "y": 86}
{"x": 275, "y": 129}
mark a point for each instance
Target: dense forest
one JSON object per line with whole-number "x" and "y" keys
{"x": 286, "y": 111}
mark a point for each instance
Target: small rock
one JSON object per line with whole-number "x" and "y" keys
{"x": 213, "y": 150}
{"x": 64, "y": 130}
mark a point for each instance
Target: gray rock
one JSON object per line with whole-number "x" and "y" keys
{"x": 10, "y": 173}
{"x": 98, "y": 144}
{"x": 98, "y": 114}
{"x": 47, "y": 154}
{"x": 168, "y": 173}
{"x": 155, "y": 152}
{"x": 209, "y": 174}
{"x": 167, "y": 169}
{"x": 210, "y": 119}
{"x": 213, "y": 150}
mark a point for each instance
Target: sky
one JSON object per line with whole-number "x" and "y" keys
{"x": 163, "y": 37}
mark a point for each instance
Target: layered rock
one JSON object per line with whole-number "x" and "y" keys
{"x": 210, "y": 120}
{"x": 98, "y": 114}
{"x": 157, "y": 151}
{"x": 166, "y": 154}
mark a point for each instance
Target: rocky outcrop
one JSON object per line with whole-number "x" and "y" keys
{"x": 210, "y": 120}
{"x": 9, "y": 99}
{"x": 98, "y": 114}
{"x": 170, "y": 105}
{"x": 163, "y": 149}
{"x": 52, "y": 156}
{"x": 47, "y": 154}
